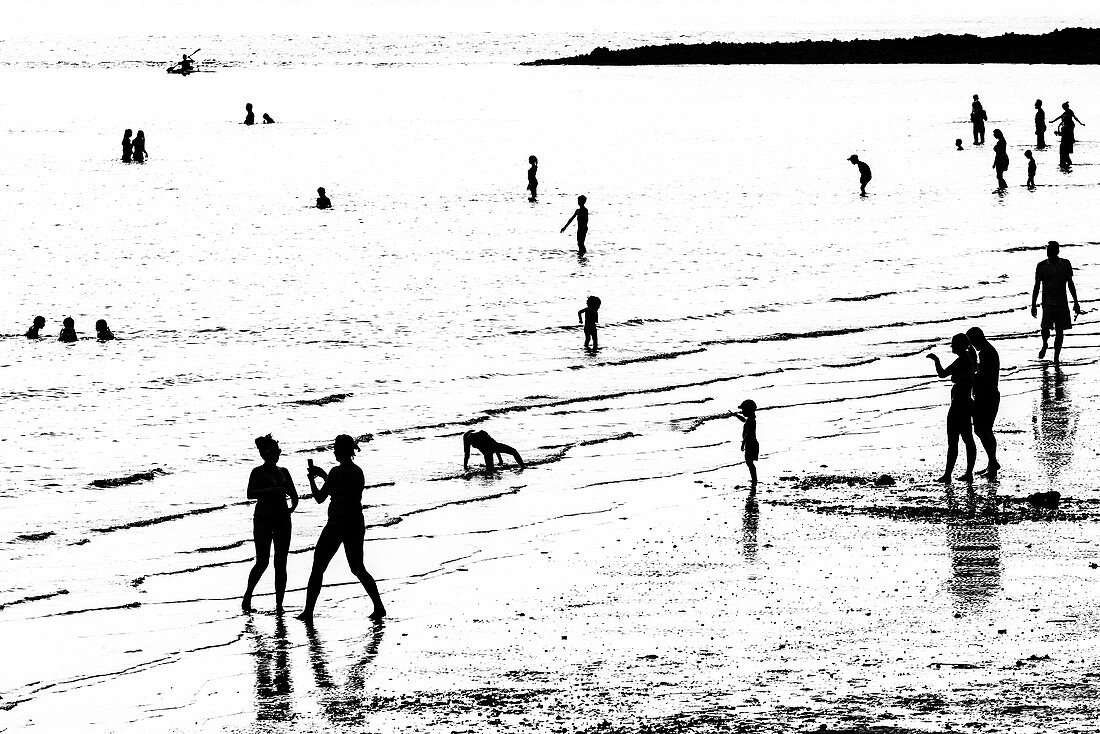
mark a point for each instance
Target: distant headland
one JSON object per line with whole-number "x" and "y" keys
{"x": 1066, "y": 46}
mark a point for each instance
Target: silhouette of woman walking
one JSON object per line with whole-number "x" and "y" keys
{"x": 139, "y": 147}
{"x": 1000, "y": 158}
{"x": 269, "y": 484}
{"x": 344, "y": 484}
{"x": 961, "y": 411}
{"x": 127, "y": 146}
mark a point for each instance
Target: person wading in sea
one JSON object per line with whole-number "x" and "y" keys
{"x": 1054, "y": 275}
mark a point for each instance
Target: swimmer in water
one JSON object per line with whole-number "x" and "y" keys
{"x": 581, "y": 215}
{"x": 102, "y": 333}
{"x": 344, "y": 483}
{"x": 68, "y": 330}
{"x": 268, "y": 119}
{"x": 249, "y": 116}
{"x": 36, "y": 326}
{"x": 322, "y": 200}
{"x": 271, "y": 486}
{"x": 484, "y": 443}
{"x": 958, "y": 143}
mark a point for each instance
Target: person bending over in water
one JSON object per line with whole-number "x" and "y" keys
{"x": 127, "y": 146}
{"x": 484, "y": 443}
{"x": 139, "y": 147}
{"x": 270, "y": 485}
{"x": 987, "y": 396}
{"x": 268, "y": 119}
{"x": 322, "y": 200}
{"x": 344, "y": 484}
{"x": 68, "y": 330}
{"x": 581, "y": 215}
{"x": 102, "y": 332}
{"x": 1054, "y": 274}
{"x": 1000, "y": 158}
{"x": 591, "y": 316}
{"x": 746, "y": 413}
{"x": 36, "y": 326}
{"x": 959, "y": 414}
{"x": 864, "y": 173}
{"x": 1030, "y": 168}
{"x": 532, "y": 177}
{"x": 249, "y": 115}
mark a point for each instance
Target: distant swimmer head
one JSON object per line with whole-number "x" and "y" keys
{"x": 1052, "y": 249}
{"x": 749, "y": 406}
{"x": 101, "y": 325}
{"x": 268, "y": 118}
{"x": 68, "y": 322}
{"x": 582, "y": 200}
{"x": 321, "y": 191}
{"x": 533, "y": 160}
{"x": 39, "y": 322}
{"x": 959, "y": 343}
{"x": 958, "y": 143}
{"x": 268, "y": 447}
{"x": 344, "y": 446}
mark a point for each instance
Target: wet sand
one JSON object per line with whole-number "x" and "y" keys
{"x": 654, "y": 593}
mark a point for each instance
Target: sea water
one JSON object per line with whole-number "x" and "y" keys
{"x": 726, "y": 238}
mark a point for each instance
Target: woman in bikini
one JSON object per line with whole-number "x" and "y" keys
{"x": 270, "y": 485}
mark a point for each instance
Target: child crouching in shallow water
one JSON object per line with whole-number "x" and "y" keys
{"x": 746, "y": 413}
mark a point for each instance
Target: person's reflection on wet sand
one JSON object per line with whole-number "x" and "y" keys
{"x": 1054, "y": 424}
{"x": 750, "y": 521}
{"x": 273, "y": 683}
{"x": 343, "y": 704}
{"x": 974, "y": 545}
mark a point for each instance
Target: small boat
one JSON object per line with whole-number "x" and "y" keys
{"x": 175, "y": 69}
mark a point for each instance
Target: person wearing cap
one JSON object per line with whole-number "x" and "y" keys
{"x": 344, "y": 484}
{"x": 864, "y": 173}
{"x": 746, "y": 413}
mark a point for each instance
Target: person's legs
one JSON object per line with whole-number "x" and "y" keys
{"x": 971, "y": 450}
{"x": 975, "y": 134}
{"x": 353, "y": 551}
{"x": 504, "y": 448}
{"x": 327, "y": 545}
{"x": 595, "y": 338}
{"x": 751, "y": 464}
{"x": 281, "y": 541}
{"x": 488, "y": 456}
{"x": 261, "y": 536}
{"x": 581, "y": 235}
{"x": 1058, "y": 334}
{"x": 587, "y": 336}
{"x": 1044, "y": 330}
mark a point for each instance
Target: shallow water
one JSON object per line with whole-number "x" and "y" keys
{"x": 726, "y": 240}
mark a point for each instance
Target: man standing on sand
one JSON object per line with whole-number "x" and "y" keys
{"x": 1054, "y": 274}
{"x": 987, "y": 396}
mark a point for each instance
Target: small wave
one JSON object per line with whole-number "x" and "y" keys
{"x": 336, "y": 398}
{"x": 216, "y": 548}
{"x": 868, "y": 297}
{"x": 857, "y": 363}
{"x": 163, "y": 518}
{"x": 35, "y": 536}
{"x": 1029, "y": 248}
{"x": 635, "y": 360}
{"x": 36, "y": 597}
{"x": 144, "y": 476}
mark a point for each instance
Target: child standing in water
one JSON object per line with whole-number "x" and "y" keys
{"x": 322, "y": 200}
{"x": 249, "y": 115}
{"x": 532, "y": 180}
{"x": 581, "y": 215}
{"x": 39, "y": 322}
{"x": 590, "y": 316}
{"x": 270, "y": 485}
{"x": 746, "y": 413}
{"x": 68, "y": 330}
{"x": 1030, "y": 169}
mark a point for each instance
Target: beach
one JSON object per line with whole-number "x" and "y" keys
{"x": 627, "y": 580}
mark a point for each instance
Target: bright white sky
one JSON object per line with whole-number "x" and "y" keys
{"x": 174, "y": 17}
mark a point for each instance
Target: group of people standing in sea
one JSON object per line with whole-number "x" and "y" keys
{"x": 1066, "y": 131}
{"x": 133, "y": 147}
{"x": 975, "y": 372}
{"x": 68, "y": 330}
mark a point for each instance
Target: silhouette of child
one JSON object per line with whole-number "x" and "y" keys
{"x": 591, "y": 317}
{"x": 268, "y": 119}
{"x": 746, "y": 413}
{"x": 127, "y": 146}
{"x": 581, "y": 215}
{"x": 864, "y": 173}
{"x": 68, "y": 330}
{"x": 250, "y": 116}
{"x": 1030, "y": 169}
{"x": 322, "y": 200}
{"x": 532, "y": 181}
{"x": 102, "y": 332}
{"x": 488, "y": 446}
{"x": 958, "y": 143}
{"x": 39, "y": 322}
